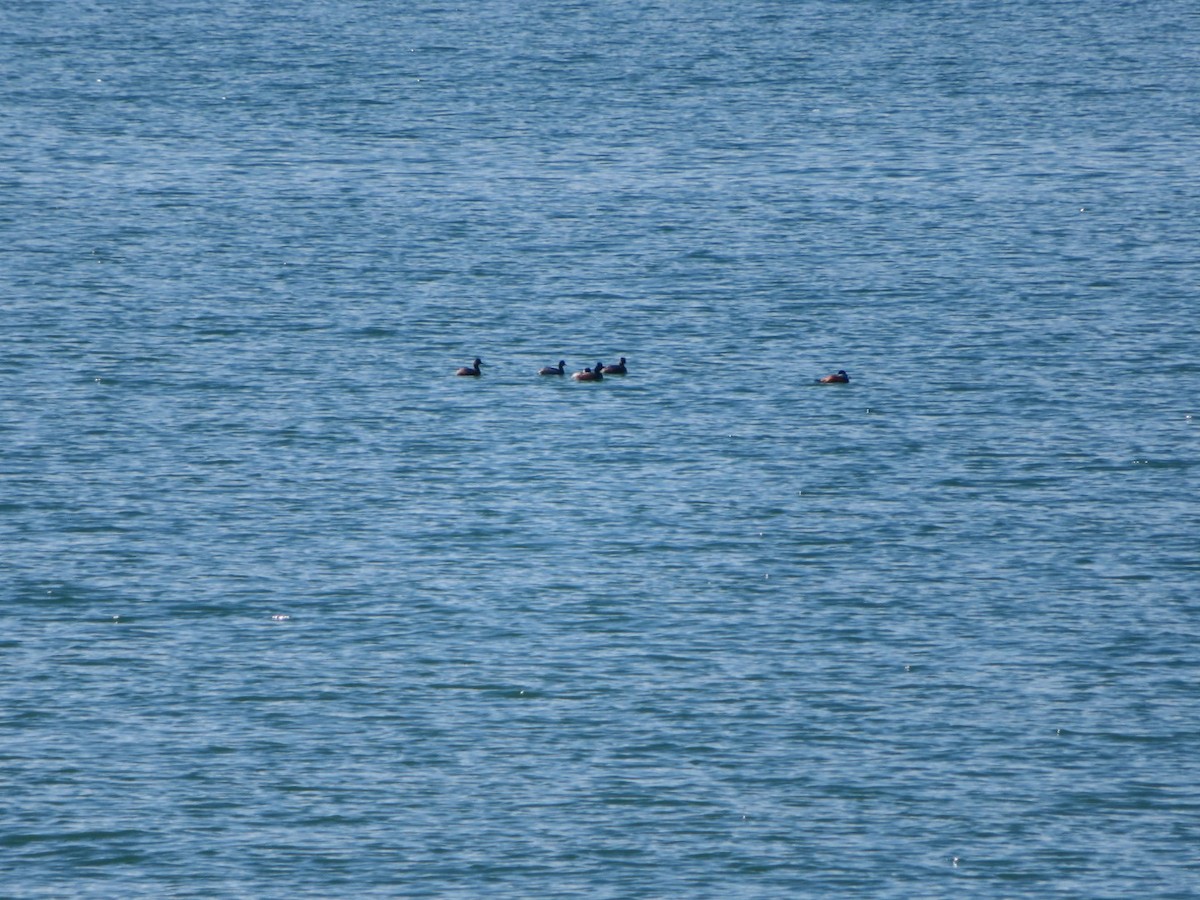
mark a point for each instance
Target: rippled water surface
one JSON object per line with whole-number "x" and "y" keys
{"x": 288, "y": 609}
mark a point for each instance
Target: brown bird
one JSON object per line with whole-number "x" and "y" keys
{"x": 596, "y": 374}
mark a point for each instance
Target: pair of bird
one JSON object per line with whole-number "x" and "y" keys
{"x": 595, "y": 373}
{"x": 588, "y": 374}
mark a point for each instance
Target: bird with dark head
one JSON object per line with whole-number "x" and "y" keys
{"x": 471, "y": 370}
{"x": 616, "y": 368}
{"x": 554, "y": 370}
{"x": 838, "y": 377}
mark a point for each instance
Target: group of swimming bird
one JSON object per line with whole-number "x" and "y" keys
{"x": 598, "y": 371}
{"x": 591, "y": 373}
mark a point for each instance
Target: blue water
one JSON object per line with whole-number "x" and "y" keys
{"x": 289, "y": 610}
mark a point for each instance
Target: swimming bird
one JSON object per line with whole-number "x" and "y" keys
{"x": 596, "y": 374}
{"x": 839, "y": 377}
{"x": 472, "y": 369}
{"x": 551, "y": 370}
{"x": 618, "y": 369}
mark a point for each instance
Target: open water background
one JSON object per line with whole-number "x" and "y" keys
{"x": 710, "y": 630}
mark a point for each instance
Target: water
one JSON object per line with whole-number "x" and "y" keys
{"x": 289, "y": 610}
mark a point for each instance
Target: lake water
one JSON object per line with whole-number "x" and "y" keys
{"x": 290, "y": 610}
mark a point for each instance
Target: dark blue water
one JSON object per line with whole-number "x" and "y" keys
{"x": 290, "y": 610}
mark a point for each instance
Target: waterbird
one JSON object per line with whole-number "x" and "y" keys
{"x": 552, "y": 370}
{"x": 839, "y": 377}
{"x": 472, "y": 369}
{"x": 617, "y": 369}
{"x": 589, "y": 374}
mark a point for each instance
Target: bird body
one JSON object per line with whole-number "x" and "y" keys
{"x": 590, "y": 374}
